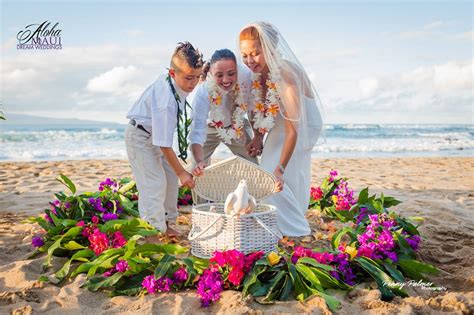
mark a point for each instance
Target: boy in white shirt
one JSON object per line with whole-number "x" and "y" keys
{"x": 149, "y": 138}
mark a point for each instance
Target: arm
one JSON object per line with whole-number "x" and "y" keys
{"x": 196, "y": 149}
{"x": 255, "y": 146}
{"x": 185, "y": 178}
{"x": 291, "y": 136}
{"x": 291, "y": 96}
{"x": 201, "y": 107}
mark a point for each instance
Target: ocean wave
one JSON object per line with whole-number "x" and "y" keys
{"x": 395, "y": 145}
{"x": 341, "y": 140}
{"x": 60, "y": 135}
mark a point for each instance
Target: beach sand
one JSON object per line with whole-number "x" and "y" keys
{"x": 439, "y": 189}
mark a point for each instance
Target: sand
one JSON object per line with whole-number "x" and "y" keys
{"x": 439, "y": 189}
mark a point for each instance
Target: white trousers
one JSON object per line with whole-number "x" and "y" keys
{"x": 156, "y": 181}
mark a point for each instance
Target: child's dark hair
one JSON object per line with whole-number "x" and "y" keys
{"x": 205, "y": 70}
{"x": 186, "y": 52}
{"x": 221, "y": 54}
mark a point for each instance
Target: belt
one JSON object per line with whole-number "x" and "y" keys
{"x": 134, "y": 123}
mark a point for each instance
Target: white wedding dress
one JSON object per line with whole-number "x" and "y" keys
{"x": 292, "y": 201}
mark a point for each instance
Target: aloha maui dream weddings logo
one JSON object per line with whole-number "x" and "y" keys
{"x": 40, "y": 36}
{"x": 413, "y": 283}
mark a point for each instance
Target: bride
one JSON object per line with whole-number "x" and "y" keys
{"x": 287, "y": 107}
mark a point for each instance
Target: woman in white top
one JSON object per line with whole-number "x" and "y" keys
{"x": 220, "y": 108}
{"x": 287, "y": 108}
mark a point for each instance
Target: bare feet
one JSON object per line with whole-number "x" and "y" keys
{"x": 154, "y": 238}
{"x": 171, "y": 233}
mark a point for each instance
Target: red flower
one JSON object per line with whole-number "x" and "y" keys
{"x": 316, "y": 193}
{"x": 250, "y": 259}
{"x": 99, "y": 241}
{"x": 235, "y": 276}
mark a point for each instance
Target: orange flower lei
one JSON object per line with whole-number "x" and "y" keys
{"x": 266, "y": 109}
{"x": 217, "y": 116}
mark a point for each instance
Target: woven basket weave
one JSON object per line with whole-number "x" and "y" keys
{"x": 213, "y": 230}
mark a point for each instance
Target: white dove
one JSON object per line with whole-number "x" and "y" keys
{"x": 240, "y": 201}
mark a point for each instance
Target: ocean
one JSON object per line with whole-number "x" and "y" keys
{"x": 63, "y": 142}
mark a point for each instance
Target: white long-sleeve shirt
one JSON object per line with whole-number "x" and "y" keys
{"x": 156, "y": 110}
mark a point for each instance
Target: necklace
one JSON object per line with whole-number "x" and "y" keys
{"x": 182, "y": 123}
{"x": 266, "y": 109}
{"x": 236, "y": 130}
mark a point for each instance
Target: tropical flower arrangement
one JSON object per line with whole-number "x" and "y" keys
{"x": 83, "y": 226}
{"x": 374, "y": 243}
{"x": 333, "y": 197}
{"x": 266, "y": 106}
{"x": 217, "y": 116}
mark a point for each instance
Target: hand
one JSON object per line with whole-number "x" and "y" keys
{"x": 199, "y": 169}
{"x": 186, "y": 180}
{"x": 255, "y": 146}
{"x": 279, "y": 177}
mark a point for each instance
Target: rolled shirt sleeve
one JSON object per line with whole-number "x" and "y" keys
{"x": 200, "y": 112}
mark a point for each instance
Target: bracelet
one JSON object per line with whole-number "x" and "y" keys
{"x": 281, "y": 168}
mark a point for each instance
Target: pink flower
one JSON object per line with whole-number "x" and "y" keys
{"x": 316, "y": 193}
{"x": 118, "y": 240}
{"x": 180, "y": 275}
{"x": 332, "y": 175}
{"x": 86, "y": 231}
{"x": 150, "y": 284}
{"x": 99, "y": 241}
{"x": 48, "y": 218}
{"x": 122, "y": 266}
{"x": 164, "y": 284}
{"x": 250, "y": 259}
{"x": 219, "y": 258}
{"x": 209, "y": 287}
{"x": 95, "y": 219}
{"x": 80, "y": 223}
{"x": 108, "y": 273}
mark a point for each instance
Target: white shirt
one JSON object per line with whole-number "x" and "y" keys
{"x": 156, "y": 110}
{"x": 201, "y": 107}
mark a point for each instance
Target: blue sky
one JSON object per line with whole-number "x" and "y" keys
{"x": 371, "y": 61}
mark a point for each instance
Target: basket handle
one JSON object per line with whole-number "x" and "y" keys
{"x": 192, "y": 237}
{"x": 278, "y": 235}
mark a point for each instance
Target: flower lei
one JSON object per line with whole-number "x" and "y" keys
{"x": 266, "y": 109}
{"x": 217, "y": 116}
{"x": 182, "y": 123}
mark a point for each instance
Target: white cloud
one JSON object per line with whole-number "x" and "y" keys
{"x": 368, "y": 87}
{"x": 468, "y": 36}
{"x": 439, "y": 93}
{"x": 20, "y": 76}
{"x": 112, "y": 80}
{"x": 426, "y": 31}
{"x": 432, "y": 25}
{"x": 449, "y": 78}
{"x": 51, "y": 80}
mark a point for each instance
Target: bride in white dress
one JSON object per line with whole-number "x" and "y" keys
{"x": 287, "y": 107}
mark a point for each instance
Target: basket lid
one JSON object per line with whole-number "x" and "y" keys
{"x": 222, "y": 178}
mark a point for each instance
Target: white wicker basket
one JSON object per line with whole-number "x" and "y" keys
{"x": 216, "y": 231}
